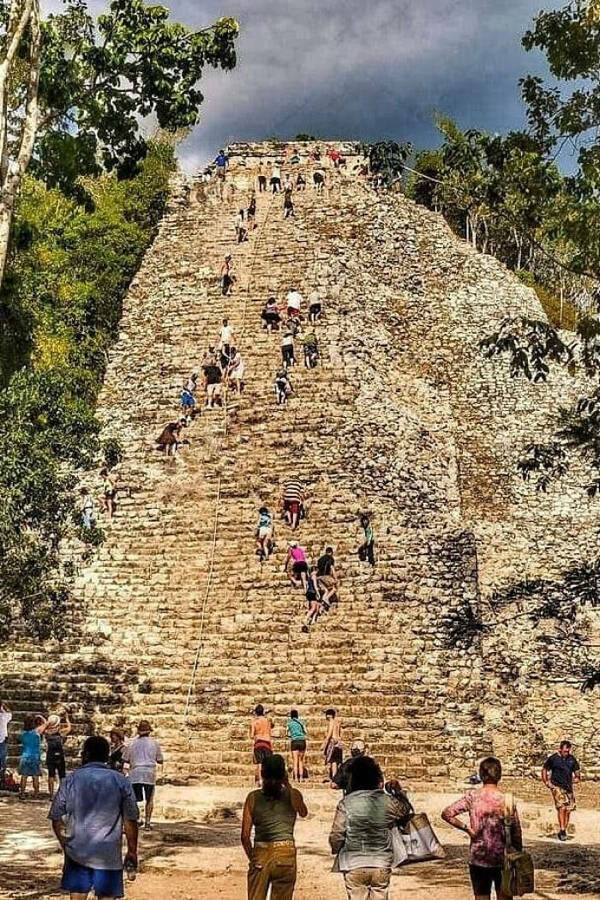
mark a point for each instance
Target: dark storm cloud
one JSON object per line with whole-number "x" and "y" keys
{"x": 361, "y": 68}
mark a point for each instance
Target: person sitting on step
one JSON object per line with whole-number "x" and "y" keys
{"x": 209, "y": 359}
{"x": 311, "y": 350}
{"x": 270, "y": 315}
{"x": 314, "y": 307}
{"x": 265, "y": 533}
{"x": 283, "y": 387}
{"x": 312, "y": 600}
{"x": 296, "y": 565}
{"x": 287, "y": 349}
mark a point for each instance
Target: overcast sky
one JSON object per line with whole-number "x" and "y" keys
{"x": 361, "y": 68}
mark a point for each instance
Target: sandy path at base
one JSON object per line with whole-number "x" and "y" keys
{"x": 193, "y": 851}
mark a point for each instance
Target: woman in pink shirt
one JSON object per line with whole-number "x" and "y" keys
{"x": 296, "y": 557}
{"x": 486, "y": 808}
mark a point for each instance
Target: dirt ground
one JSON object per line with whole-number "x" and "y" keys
{"x": 193, "y": 851}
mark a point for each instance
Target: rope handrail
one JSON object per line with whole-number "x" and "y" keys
{"x": 209, "y": 580}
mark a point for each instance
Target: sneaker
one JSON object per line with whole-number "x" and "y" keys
{"x": 562, "y": 835}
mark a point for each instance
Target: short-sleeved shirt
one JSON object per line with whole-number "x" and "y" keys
{"x": 325, "y": 564}
{"x": 226, "y": 334}
{"x": 5, "y": 718}
{"x": 213, "y": 374}
{"x": 94, "y": 800}
{"x": 142, "y": 754}
{"x": 486, "y": 814}
{"x": 296, "y": 729}
{"x": 31, "y": 744}
{"x": 293, "y": 491}
{"x": 294, "y": 300}
{"x": 562, "y": 769}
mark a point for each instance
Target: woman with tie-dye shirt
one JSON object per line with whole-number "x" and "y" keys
{"x": 486, "y": 808}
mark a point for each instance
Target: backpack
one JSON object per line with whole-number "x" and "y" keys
{"x": 518, "y": 875}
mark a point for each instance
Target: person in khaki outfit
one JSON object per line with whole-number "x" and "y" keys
{"x": 272, "y": 812}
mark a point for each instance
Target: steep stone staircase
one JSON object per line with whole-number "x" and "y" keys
{"x": 181, "y": 624}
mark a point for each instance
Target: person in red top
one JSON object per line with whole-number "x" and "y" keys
{"x": 486, "y": 808}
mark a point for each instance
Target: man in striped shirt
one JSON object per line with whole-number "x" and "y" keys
{"x": 293, "y": 499}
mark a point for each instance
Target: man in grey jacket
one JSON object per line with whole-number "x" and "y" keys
{"x": 361, "y": 832}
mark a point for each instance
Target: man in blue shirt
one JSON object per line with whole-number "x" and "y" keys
{"x": 558, "y": 774}
{"x": 93, "y": 806}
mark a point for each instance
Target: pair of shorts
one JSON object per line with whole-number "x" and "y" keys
{"x": 483, "y": 877}
{"x": 143, "y": 791}
{"x": 30, "y": 767}
{"x": 261, "y": 752}
{"x": 78, "y": 879}
{"x": 336, "y": 756}
{"x": 298, "y": 745}
{"x": 315, "y": 308}
{"x": 292, "y": 506}
{"x": 264, "y": 532}
{"x": 299, "y": 568}
{"x": 56, "y": 765}
{"x": 213, "y": 390}
{"x": 563, "y": 799}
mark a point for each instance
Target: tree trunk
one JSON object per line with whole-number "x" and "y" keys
{"x": 24, "y": 16}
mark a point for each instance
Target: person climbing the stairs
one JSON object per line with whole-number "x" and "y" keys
{"x": 300, "y": 182}
{"x": 270, "y": 315}
{"x": 261, "y": 733}
{"x": 187, "y": 399}
{"x": 227, "y": 278}
{"x": 292, "y": 501}
{"x": 225, "y": 341}
{"x": 319, "y": 180}
{"x": 314, "y": 307}
{"x": 288, "y": 356}
{"x": 213, "y": 386}
{"x": 262, "y": 177}
{"x": 170, "y": 438}
{"x": 283, "y": 387}
{"x": 294, "y": 301}
{"x": 288, "y": 206}
{"x": 241, "y": 227}
{"x": 295, "y": 729}
{"x": 312, "y": 600}
{"x": 296, "y": 565}
{"x": 327, "y": 578}
{"x": 236, "y": 370}
{"x": 251, "y": 213}
{"x": 109, "y": 491}
{"x": 275, "y": 180}
{"x": 264, "y": 534}
{"x": 366, "y": 551}
{"x": 311, "y": 350}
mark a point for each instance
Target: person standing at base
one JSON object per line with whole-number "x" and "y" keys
{"x": 261, "y": 733}
{"x": 56, "y": 734}
{"x": 558, "y": 774}
{"x": 487, "y": 808}
{"x": 142, "y": 756}
{"x": 30, "y": 763}
{"x": 93, "y": 807}
{"x": 272, "y": 812}
{"x": 332, "y": 745}
{"x": 296, "y": 731}
{"x": 5, "y": 718}
{"x": 361, "y": 834}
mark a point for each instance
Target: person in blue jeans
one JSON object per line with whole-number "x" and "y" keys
{"x": 93, "y": 807}
{"x": 296, "y": 731}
